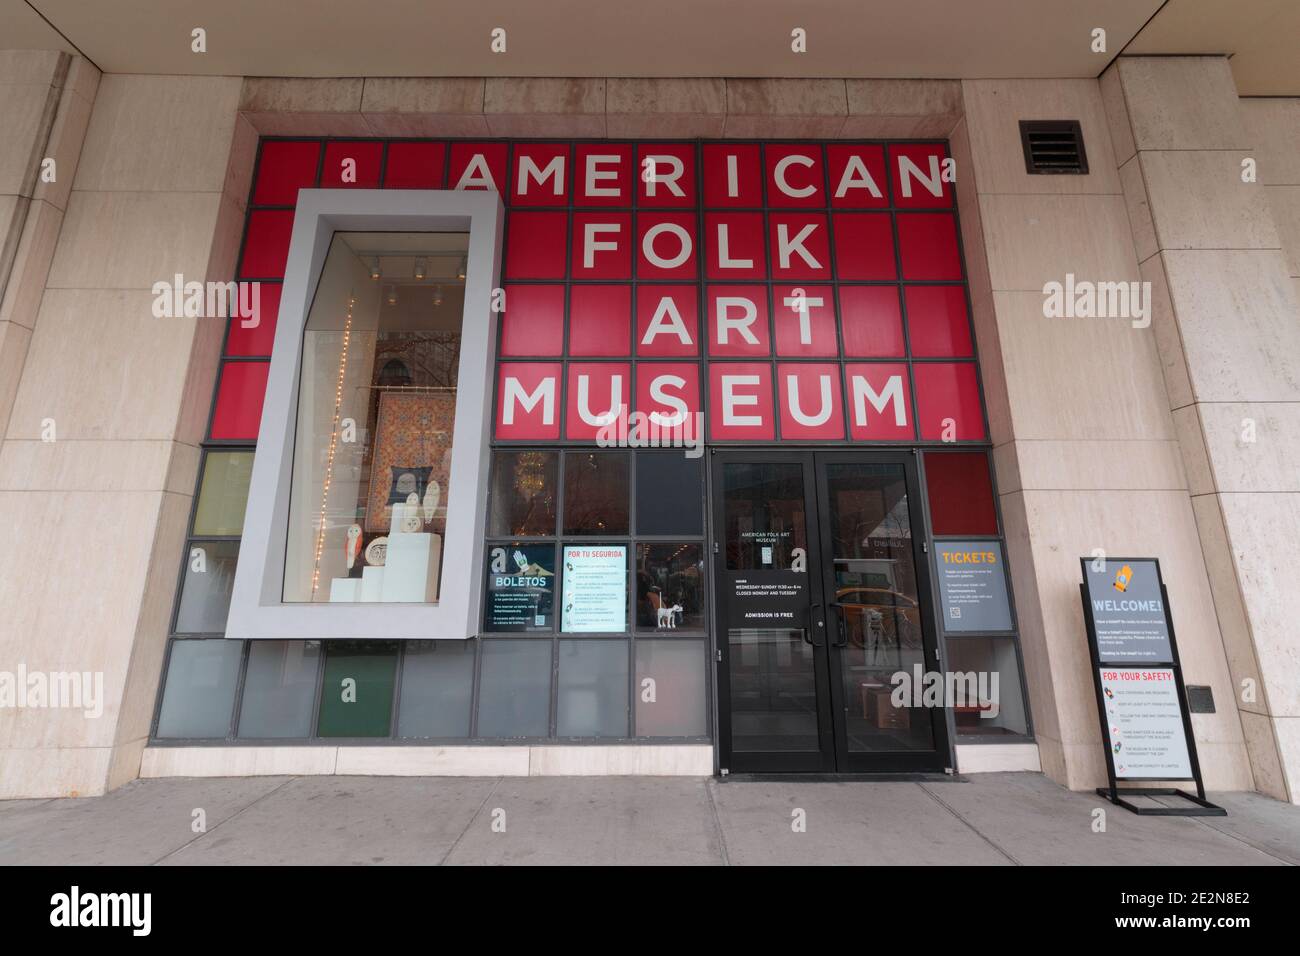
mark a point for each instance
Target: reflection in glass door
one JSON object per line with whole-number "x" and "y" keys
{"x": 822, "y": 601}
{"x": 878, "y": 631}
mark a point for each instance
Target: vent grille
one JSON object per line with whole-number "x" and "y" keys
{"x": 1200, "y": 699}
{"x": 1053, "y": 147}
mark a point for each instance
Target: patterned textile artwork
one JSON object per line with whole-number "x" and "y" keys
{"x": 413, "y": 432}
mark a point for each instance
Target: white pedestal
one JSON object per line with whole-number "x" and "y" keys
{"x": 345, "y": 590}
{"x": 411, "y": 568}
{"x": 372, "y": 584}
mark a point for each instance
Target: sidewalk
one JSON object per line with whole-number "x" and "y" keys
{"x": 1000, "y": 819}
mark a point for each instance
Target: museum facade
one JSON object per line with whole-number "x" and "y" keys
{"x": 680, "y": 426}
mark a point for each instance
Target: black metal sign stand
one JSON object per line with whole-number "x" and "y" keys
{"x": 1201, "y": 807}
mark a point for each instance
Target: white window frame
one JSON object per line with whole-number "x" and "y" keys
{"x": 257, "y": 608}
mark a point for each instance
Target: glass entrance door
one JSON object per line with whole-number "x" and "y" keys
{"x": 823, "y": 600}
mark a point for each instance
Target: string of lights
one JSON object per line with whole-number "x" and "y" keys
{"x": 334, "y": 444}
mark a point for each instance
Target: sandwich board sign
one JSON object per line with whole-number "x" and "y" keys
{"x": 1146, "y": 727}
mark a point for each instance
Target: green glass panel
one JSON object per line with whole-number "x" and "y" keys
{"x": 223, "y": 494}
{"x": 356, "y": 698}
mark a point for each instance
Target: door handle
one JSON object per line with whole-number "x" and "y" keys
{"x": 841, "y": 625}
{"x": 815, "y": 623}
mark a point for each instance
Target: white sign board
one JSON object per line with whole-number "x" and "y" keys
{"x": 594, "y": 588}
{"x": 1144, "y": 722}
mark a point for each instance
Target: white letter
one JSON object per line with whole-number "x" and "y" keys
{"x": 742, "y": 323}
{"x": 785, "y": 187}
{"x": 892, "y": 392}
{"x": 594, "y": 174}
{"x": 724, "y": 255}
{"x": 907, "y": 170}
{"x": 476, "y": 174}
{"x": 584, "y": 400}
{"x": 797, "y": 413}
{"x": 786, "y": 245}
{"x": 857, "y": 176}
{"x": 801, "y": 303}
{"x": 670, "y": 180}
{"x": 514, "y": 392}
{"x": 648, "y": 245}
{"x": 554, "y": 170}
{"x": 658, "y": 394}
{"x": 730, "y": 400}
{"x": 590, "y": 245}
{"x": 666, "y": 319}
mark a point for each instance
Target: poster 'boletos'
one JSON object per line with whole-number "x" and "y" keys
{"x": 1146, "y": 727}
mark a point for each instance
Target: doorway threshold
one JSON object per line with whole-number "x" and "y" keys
{"x": 862, "y": 777}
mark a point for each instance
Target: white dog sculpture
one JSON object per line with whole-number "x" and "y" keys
{"x": 668, "y": 616}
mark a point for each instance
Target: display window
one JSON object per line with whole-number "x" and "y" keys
{"x": 376, "y": 420}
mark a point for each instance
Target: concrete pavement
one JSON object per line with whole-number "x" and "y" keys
{"x": 999, "y": 819}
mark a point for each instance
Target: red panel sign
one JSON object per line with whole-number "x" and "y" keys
{"x": 801, "y": 291}
{"x": 740, "y": 401}
{"x": 804, "y": 320}
{"x": 539, "y": 174}
{"x": 738, "y": 320}
{"x": 794, "y": 176}
{"x": 602, "y": 175}
{"x": 666, "y": 175}
{"x": 857, "y": 177}
{"x": 880, "y": 408}
{"x": 599, "y": 396}
{"x": 734, "y": 246}
{"x": 666, "y": 245}
{"x": 667, "y": 320}
{"x": 810, "y": 401}
{"x": 811, "y": 291}
{"x": 733, "y": 176}
{"x": 668, "y": 398}
{"x": 528, "y": 401}
{"x": 600, "y": 320}
{"x": 477, "y": 166}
